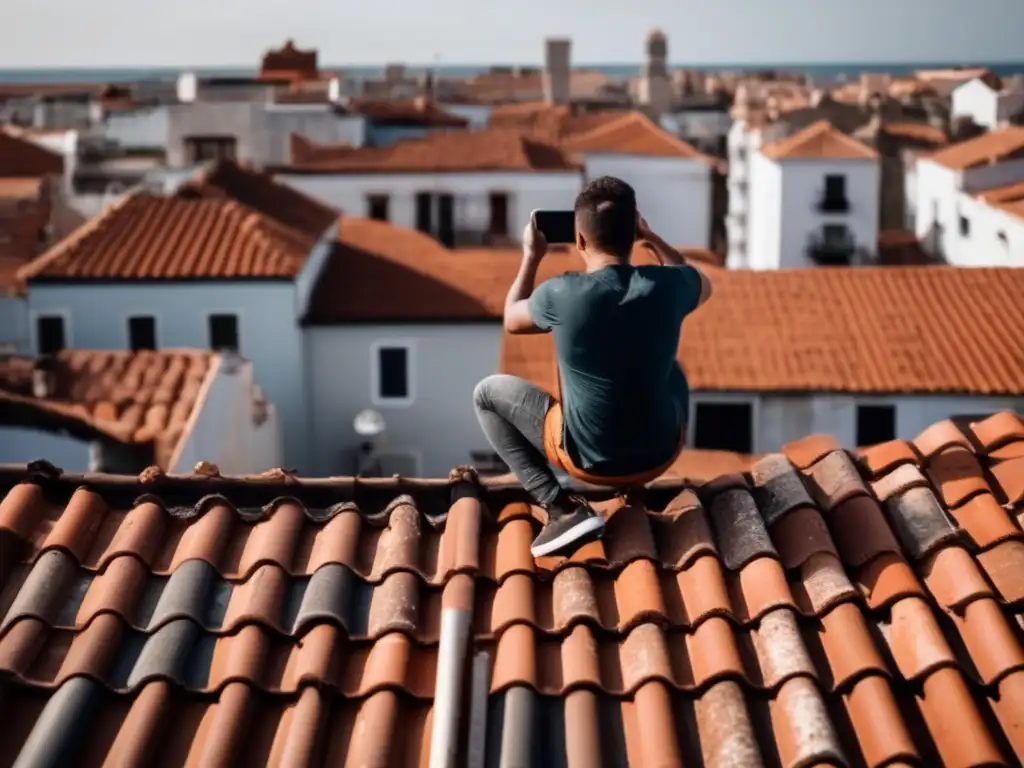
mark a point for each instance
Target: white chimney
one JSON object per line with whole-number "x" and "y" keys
{"x": 188, "y": 84}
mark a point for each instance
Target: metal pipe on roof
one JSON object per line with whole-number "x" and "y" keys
{"x": 456, "y": 615}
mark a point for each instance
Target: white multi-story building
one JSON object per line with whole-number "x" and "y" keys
{"x": 812, "y": 200}
{"x": 988, "y": 101}
{"x": 968, "y": 197}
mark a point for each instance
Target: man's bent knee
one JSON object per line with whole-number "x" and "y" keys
{"x": 484, "y": 390}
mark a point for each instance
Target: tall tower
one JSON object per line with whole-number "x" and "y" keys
{"x": 655, "y": 91}
{"x": 557, "y": 70}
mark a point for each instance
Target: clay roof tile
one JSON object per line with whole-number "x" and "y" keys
{"x": 783, "y": 615}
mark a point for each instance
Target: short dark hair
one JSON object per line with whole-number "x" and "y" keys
{"x": 606, "y": 215}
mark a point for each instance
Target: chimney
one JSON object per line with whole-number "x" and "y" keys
{"x": 557, "y": 70}
{"x": 44, "y": 378}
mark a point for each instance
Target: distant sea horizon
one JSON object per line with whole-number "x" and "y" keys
{"x": 819, "y": 72}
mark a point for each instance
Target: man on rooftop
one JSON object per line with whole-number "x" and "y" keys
{"x": 625, "y": 399}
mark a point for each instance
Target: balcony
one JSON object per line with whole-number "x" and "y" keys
{"x": 833, "y": 204}
{"x": 832, "y": 251}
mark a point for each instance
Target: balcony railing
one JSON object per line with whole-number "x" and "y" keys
{"x": 832, "y": 251}
{"x": 833, "y": 204}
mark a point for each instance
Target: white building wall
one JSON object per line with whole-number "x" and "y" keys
{"x": 763, "y": 214}
{"x": 941, "y": 203}
{"x": 673, "y": 194}
{"x": 781, "y": 419}
{"x": 993, "y": 238}
{"x": 803, "y": 186}
{"x": 527, "y": 191}
{"x": 225, "y": 429}
{"x": 143, "y": 127}
{"x": 974, "y": 99}
{"x": 743, "y": 144}
{"x": 437, "y": 428}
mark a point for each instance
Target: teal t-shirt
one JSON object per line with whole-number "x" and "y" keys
{"x": 616, "y": 333}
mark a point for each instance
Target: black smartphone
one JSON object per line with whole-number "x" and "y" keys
{"x": 556, "y": 226}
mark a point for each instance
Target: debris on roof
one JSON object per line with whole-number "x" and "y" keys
{"x": 822, "y": 609}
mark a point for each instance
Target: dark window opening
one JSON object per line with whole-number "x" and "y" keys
{"x": 724, "y": 427}
{"x": 835, "y": 187}
{"x": 224, "y": 332}
{"x": 200, "y": 149}
{"x": 424, "y": 212}
{"x": 446, "y": 219}
{"x": 393, "y": 373}
{"x": 141, "y": 333}
{"x": 378, "y": 205}
{"x": 499, "y": 215}
{"x": 835, "y": 235}
{"x": 834, "y": 199}
{"x": 1003, "y": 240}
{"x": 965, "y": 227}
{"x": 50, "y": 337}
{"x": 875, "y": 424}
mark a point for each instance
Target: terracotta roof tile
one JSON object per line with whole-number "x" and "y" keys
{"x": 137, "y": 398}
{"x": 551, "y": 122}
{"x": 385, "y": 272}
{"x": 229, "y": 180}
{"x": 828, "y": 614}
{"x": 819, "y": 141}
{"x": 991, "y": 147}
{"x": 871, "y": 329}
{"x": 446, "y": 152}
{"x": 1011, "y": 193}
{"x": 412, "y": 112}
{"x": 20, "y": 158}
{"x": 215, "y": 230}
{"x": 633, "y": 134}
{"x": 20, "y": 188}
{"x": 922, "y": 132}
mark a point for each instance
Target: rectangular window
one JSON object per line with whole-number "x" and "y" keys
{"x": 499, "y": 214}
{"x": 200, "y": 149}
{"x": 835, "y": 187}
{"x": 875, "y": 424}
{"x": 446, "y": 219}
{"x": 224, "y": 332}
{"x": 965, "y": 226}
{"x": 424, "y": 212}
{"x": 835, "y": 235}
{"x": 50, "y": 334}
{"x": 724, "y": 427}
{"x": 141, "y": 332}
{"x": 392, "y": 369}
{"x": 377, "y": 207}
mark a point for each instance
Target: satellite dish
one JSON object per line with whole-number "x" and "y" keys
{"x": 368, "y": 423}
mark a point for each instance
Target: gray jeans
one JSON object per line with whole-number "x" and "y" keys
{"x": 511, "y": 412}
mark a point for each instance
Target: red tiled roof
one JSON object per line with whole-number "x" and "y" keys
{"x": 291, "y": 62}
{"x": 406, "y": 112}
{"x": 147, "y": 237}
{"x": 993, "y": 146}
{"x": 820, "y": 610}
{"x": 633, "y": 134}
{"x": 872, "y": 329}
{"x": 550, "y": 122}
{"x": 452, "y": 152}
{"x": 20, "y": 158}
{"x": 819, "y": 141}
{"x": 384, "y": 272}
{"x": 130, "y": 397}
{"x": 259, "y": 191}
{"x": 921, "y": 132}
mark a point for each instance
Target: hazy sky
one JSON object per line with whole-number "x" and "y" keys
{"x": 96, "y": 33}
